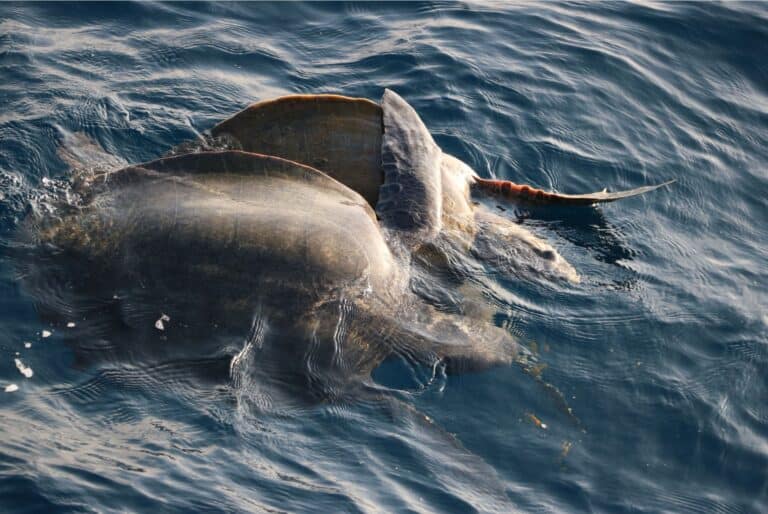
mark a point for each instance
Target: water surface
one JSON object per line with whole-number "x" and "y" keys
{"x": 661, "y": 350}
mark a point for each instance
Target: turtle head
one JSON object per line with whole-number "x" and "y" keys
{"x": 506, "y": 247}
{"x": 460, "y": 343}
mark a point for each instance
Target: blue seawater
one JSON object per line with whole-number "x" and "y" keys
{"x": 661, "y": 351}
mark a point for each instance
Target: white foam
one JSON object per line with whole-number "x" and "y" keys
{"x": 159, "y": 324}
{"x": 23, "y": 369}
{"x": 11, "y": 388}
{"x": 71, "y": 324}
{"x": 27, "y": 345}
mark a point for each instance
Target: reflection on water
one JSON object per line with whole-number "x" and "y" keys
{"x": 659, "y": 350}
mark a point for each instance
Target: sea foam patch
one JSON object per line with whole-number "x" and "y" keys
{"x": 23, "y": 368}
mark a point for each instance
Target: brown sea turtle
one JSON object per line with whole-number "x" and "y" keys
{"x": 302, "y": 241}
{"x": 385, "y": 152}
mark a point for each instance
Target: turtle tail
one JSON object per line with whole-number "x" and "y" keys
{"x": 526, "y": 193}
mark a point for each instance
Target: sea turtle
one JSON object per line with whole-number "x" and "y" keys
{"x": 300, "y": 238}
{"x": 385, "y": 152}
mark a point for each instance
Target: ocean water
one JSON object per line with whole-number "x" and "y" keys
{"x": 661, "y": 352}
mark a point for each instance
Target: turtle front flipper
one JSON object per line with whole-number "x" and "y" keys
{"x": 527, "y": 193}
